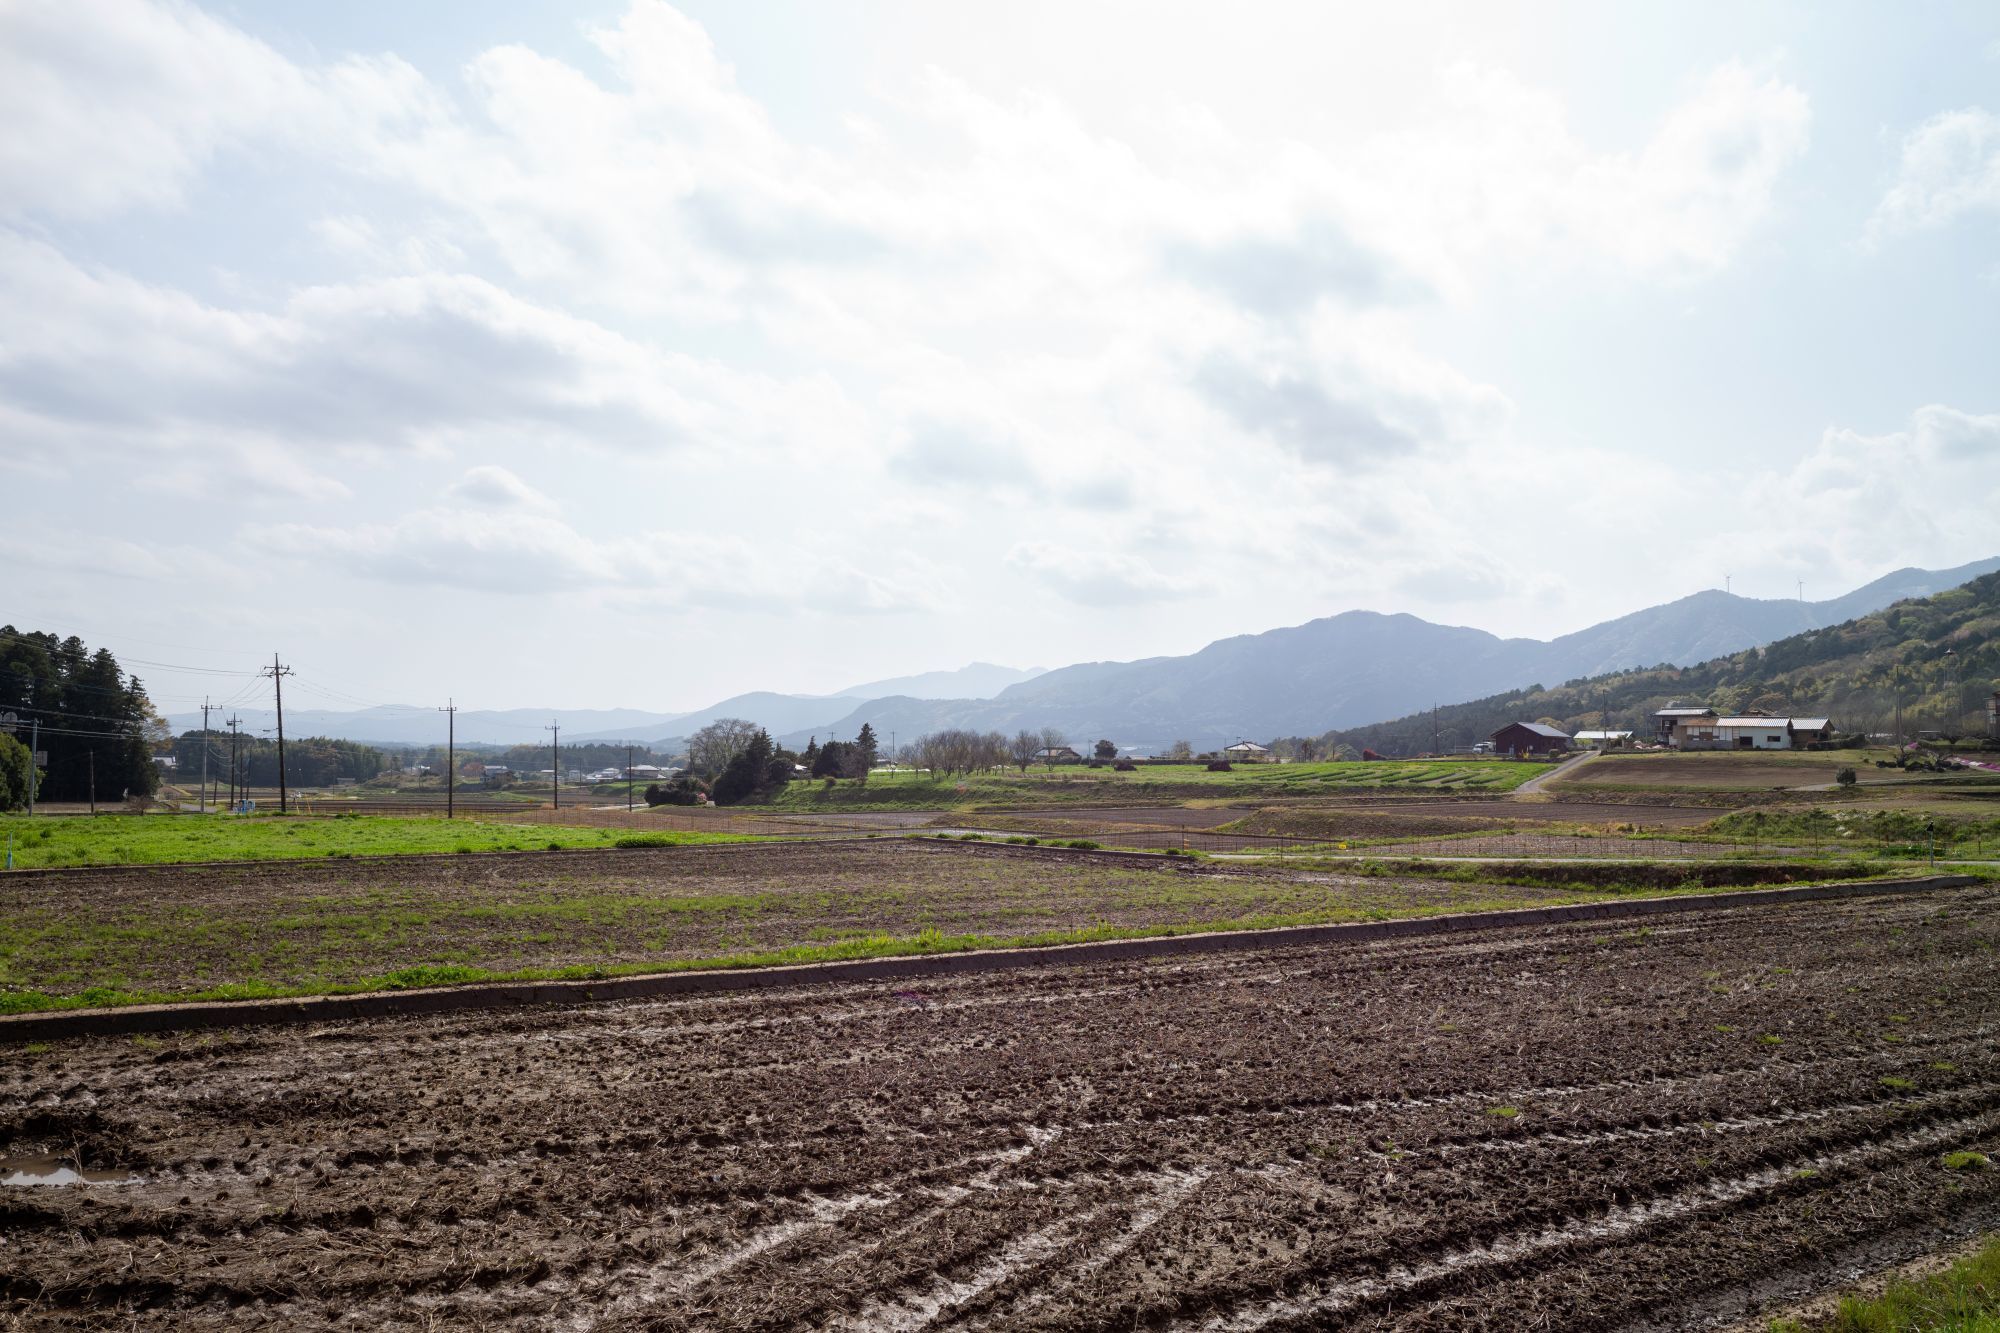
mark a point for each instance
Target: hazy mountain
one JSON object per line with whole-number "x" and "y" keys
{"x": 1341, "y": 671}
{"x": 979, "y": 680}
{"x": 1360, "y": 666}
{"x": 775, "y": 712}
{"x": 416, "y": 725}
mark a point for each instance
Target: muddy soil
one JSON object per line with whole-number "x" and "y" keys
{"x": 177, "y": 929}
{"x": 1568, "y": 1128}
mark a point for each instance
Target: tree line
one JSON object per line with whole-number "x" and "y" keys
{"x": 310, "y": 761}
{"x": 93, "y": 718}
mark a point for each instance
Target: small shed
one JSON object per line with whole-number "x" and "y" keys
{"x": 1605, "y": 740}
{"x": 1057, "y": 754}
{"x": 1247, "y": 752}
{"x": 1529, "y": 738}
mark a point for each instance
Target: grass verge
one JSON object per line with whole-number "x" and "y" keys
{"x": 1964, "y": 1298}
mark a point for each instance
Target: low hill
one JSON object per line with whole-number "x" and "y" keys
{"x": 1935, "y": 658}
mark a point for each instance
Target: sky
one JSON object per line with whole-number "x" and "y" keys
{"x": 626, "y": 354}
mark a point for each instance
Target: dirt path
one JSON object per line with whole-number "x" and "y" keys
{"x": 1566, "y": 769}
{"x": 1570, "y": 1128}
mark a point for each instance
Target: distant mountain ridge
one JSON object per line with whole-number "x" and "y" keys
{"x": 1336, "y": 672}
{"x": 1359, "y": 666}
{"x": 1929, "y": 661}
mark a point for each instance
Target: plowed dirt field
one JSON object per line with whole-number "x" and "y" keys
{"x": 1570, "y": 1128}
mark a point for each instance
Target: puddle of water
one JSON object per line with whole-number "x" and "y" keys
{"x": 56, "y": 1171}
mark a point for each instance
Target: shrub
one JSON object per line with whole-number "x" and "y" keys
{"x": 683, "y": 790}
{"x": 1219, "y": 766}
{"x": 1125, "y": 766}
{"x": 1846, "y": 777}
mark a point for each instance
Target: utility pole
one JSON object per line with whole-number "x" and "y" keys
{"x": 450, "y": 711}
{"x": 34, "y": 773}
{"x": 234, "y": 794}
{"x": 277, "y": 673}
{"x": 555, "y": 764}
{"x": 1725, "y": 584}
{"x": 93, "y": 779}
{"x": 204, "y": 754}
{"x": 628, "y": 777}
{"x": 1802, "y": 590}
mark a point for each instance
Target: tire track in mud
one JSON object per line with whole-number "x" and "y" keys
{"x": 1327, "y": 1296}
{"x": 1009, "y": 1150}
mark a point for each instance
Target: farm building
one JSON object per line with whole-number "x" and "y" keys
{"x": 1669, "y": 719}
{"x": 1248, "y": 752}
{"x": 1605, "y": 740}
{"x": 1057, "y": 754}
{"x": 1747, "y": 731}
{"x": 1529, "y": 738}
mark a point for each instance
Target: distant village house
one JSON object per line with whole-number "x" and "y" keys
{"x": 1248, "y": 752}
{"x": 1705, "y": 729}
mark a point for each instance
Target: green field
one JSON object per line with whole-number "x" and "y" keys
{"x": 1155, "y": 784}
{"x": 71, "y": 840}
{"x": 250, "y": 930}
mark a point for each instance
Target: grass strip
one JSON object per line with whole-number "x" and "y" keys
{"x": 1964, "y": 1298}
{"x": 65, "y": 841}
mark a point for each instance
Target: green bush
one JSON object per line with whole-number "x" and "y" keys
{"x": 16, "y": 772}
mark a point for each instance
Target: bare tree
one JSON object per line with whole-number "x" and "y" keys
{"x": 1023, "y": 748}
{"x": 711, "y": 748}
{"x": 1180, "y": 750}
{"x": 1052, "y": 740}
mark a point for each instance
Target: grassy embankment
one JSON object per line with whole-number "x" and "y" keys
{"x": 1964, "y": 1298}
{"x": 1164, "y": 784}
{"x": 66, "y": 840}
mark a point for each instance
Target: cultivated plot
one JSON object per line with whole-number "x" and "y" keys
{"x": 1569, "y": 1128}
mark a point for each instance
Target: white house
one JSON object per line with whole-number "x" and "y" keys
{"x": 1247, "y": 752}
{"x": 1605, "y": 740}
{"x": 1753, "y": 733}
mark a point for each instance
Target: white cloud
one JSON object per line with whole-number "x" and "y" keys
{"x": 1100, "y": 578}
{"x": 1860, "y": 503}
{"x": 111, "y": 104}
{"x": 496, "y": 487}
{"x": 1950, "y": 166}
{"x": 397, "y": 363}
{"x": 525, "y": 554}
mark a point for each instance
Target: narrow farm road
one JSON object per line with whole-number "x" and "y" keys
{"x": 1567, "y": 766}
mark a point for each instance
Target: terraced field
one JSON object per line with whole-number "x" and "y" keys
{"x": 1572, "y": 1128}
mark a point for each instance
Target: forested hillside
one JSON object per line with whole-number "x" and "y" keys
{"x": 1937, "y": 658}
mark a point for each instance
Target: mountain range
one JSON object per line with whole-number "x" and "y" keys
{"x": 1924, "y": 663}
{"x": 1340, "y": 671}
